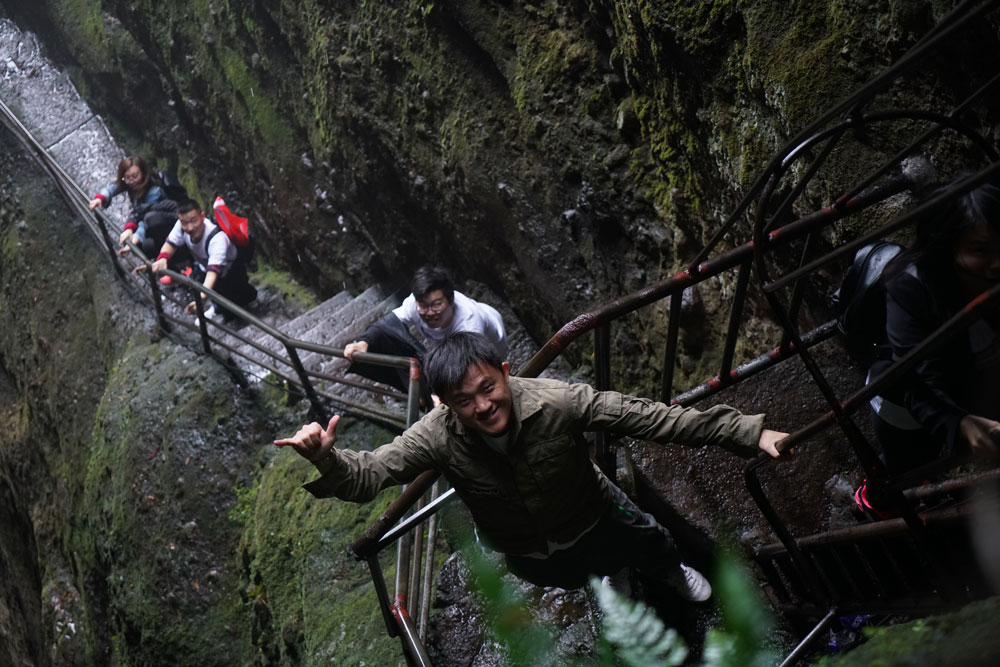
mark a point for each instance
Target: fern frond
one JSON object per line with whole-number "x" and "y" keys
{"x": 636, "y": 631}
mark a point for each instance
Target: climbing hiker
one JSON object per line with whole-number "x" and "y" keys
{"x": 948, "y": 404}
{"x": 153, "y": 212}
{"x": 436, "y": 310}
{"x": 216, "y": 259}
{"x": 513, "y": 450}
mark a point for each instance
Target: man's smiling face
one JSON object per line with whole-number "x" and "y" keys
{"x": 482, "y": 399}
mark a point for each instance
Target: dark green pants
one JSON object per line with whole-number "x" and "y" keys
{"x": 623, "y": 536}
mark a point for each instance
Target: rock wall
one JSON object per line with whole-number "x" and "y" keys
{"x": 563, "y": 152}
{"x": 144, "y": 517}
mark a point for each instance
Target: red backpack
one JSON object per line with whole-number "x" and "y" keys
{"x": 236, "y": 228}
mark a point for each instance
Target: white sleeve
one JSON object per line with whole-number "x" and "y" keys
{"x": 218, "y": 250}
{"x": 407, "y": 312}
{"x": 493, "y": 327}
{"x": 176, "y": 235}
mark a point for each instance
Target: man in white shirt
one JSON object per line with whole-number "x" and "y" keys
{"x": 436, "y": 310}
{"x": 215, "y": 257}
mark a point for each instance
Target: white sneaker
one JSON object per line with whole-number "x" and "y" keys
{"x": 210, "y": 314}
{"x": 690, "y": 584}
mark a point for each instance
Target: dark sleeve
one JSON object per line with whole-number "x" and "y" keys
{"x": 912, "y": 314}
{"x": 155, "y": 200}
{"x": 358, "y": 476}
{"x": 389, "y": 336}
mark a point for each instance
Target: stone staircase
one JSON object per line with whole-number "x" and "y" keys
{"x": 335, "y": 323}
{"x": 51, "y": 108}
{"x": 341, "y": 319}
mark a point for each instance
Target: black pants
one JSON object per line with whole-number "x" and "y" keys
{"x": 389, "y": 336}
{"x": 235, "y": 286}
{"x": 904, "y": 450}
{"x": 623, "y": 536}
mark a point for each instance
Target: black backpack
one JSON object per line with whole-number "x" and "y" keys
{"x": 171, "y": 185}
{"x": 859, "y": 303}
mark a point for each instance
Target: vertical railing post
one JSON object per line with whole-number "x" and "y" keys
{"x": 402, "y": 585}
{"x": 154, "y": 287}
{"x": 413, "y": 590}
{"x": 199, "y": 306}
{"x": 602, "y": 380}
{"x": 670, "y": 353}
{"x": 300, "y": 370}
{"x": 735, "y": 320}
{"x": 798, "y": 291}
{"x": 378, "y": 579}
{"x": 413, "y": 395}
{"x": 425, "y": 598}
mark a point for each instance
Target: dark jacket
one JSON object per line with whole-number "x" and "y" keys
{"x": 932, "y": 391}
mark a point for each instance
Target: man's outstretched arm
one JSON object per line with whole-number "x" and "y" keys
{"x": 359, "y": 476}
{"x": 719, "y": 425}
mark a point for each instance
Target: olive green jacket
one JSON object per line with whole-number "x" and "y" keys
{"x": 545, "y": 489}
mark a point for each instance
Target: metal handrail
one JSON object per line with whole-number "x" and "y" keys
{"x": 396, "y": 613}
{"x": 766, "y": 241}
{"x": 861, "y": 196}
{"x": 99, "y": 224}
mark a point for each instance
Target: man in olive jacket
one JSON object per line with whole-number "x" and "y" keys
{"x": 513, "y": 449}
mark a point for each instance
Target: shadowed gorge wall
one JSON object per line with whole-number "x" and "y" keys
{"x": 563, "y": 152}
{"x": 130, "y": 474}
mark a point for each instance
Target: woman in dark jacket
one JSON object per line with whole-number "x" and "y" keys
{"x": 152, "y": 214}
{"x": 950, "y": 402}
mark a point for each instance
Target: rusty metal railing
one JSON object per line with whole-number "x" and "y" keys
{"x": 214, "y": 336}
{"x": 772, "y": 235}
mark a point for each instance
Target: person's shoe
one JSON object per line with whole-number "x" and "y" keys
{"x": 865, "y": 509}
{"x": 166, "y": 280}
{"x": 690, "y": 584}
{"x": 210, "y": 314}
{"x": 187, "y": 271}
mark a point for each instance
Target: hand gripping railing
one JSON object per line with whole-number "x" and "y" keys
{"x": 301, "y": 377}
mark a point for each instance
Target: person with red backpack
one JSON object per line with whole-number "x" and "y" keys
{"x": 216, "y": 257}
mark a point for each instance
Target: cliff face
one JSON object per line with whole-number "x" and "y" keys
{"x": 130, "y": 472}
{"x": 563, "y": 152}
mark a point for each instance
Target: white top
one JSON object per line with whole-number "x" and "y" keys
{"x": 469, "y": 316}
{"x": 218, "y": 256}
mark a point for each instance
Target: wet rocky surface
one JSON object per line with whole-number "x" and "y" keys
{"x": 552, "y": 220}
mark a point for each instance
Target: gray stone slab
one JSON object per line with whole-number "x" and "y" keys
{"x": 351, "y": 332}
{"x": 46, "y": 100}
{"x": 49, "y": 106}
{"x": 345, "y": 325}
{"x": 325, "y": 311}
{"x": 90, "y": 155}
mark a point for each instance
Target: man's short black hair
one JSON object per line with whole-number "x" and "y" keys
{"x": 187, "y": 205}
{"x": 430, "y": 278}
{"x": 451, "y": 359}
